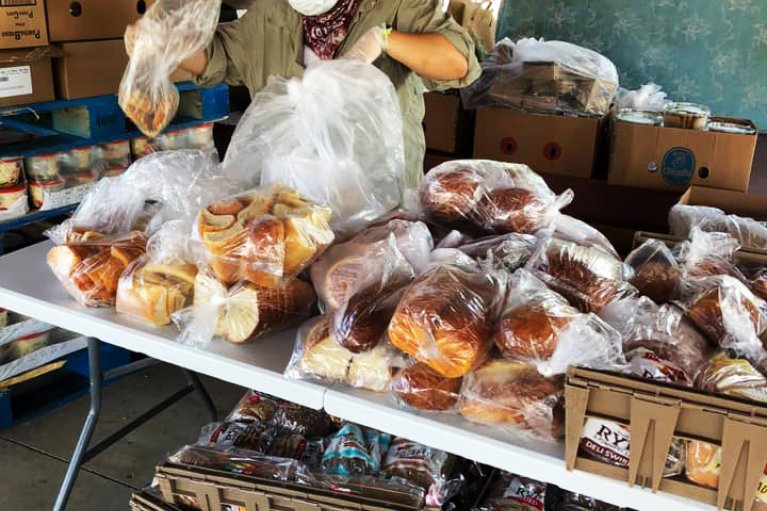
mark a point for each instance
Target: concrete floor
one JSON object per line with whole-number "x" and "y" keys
{"x": 34, "y": 454}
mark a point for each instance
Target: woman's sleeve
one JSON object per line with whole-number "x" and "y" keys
{"x": 428, "y": 16}
{"x": 227, "y": 53}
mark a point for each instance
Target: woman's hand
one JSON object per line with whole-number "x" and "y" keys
{"x": 432, "y": 56}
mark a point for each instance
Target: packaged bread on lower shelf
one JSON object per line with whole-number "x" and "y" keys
{"x": 285, "y": 456}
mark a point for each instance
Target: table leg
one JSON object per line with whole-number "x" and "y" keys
{"x": 195, "y": 382}
{"x": 94, "y": 364}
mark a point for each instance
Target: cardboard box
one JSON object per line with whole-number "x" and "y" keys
{"x": 748, "y": 256}
{"x": 212, "y": 490}
{"x": 22, "y": 24}
{"x": 25, "y": 77}
{"x": 92, "y": 68}
{"x": 673, "y": 159}
{"x": 447, "y": 126}
{"x": 657, "y": 413}
{"x": 84, "y": 20}
{"x": 554, "y": 144}
{"x": 733, "y": 203}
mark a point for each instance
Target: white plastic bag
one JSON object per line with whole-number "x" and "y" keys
{"x": 335, "y": 136}
{"x": 749, "y": 233}
{"x": 647, "y": 98}
{"x": 168, "y": 33}
{"x": 544, "y": 76}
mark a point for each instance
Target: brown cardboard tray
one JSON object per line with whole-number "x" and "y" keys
{"x": 143, "y": 501}
{"x": 656, "y": 413}
{"x": 209, "y": 489}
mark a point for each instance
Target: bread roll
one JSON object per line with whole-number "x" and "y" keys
{"x": 421, "y": 388}
{"x": 445, "y": 318}
{"x": 154, "y": 292}
{"x": 703, "y": 464}
{"x": 449, "y": 198}
{"x": 361, "y": 323}
{"x": 733, "y": 377}
{"x": 659, "y": 281}
{"x": 514, "y": 393}
{"x": 511, "y": 210}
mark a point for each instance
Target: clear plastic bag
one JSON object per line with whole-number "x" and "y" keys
{"x": 242, "y": 312}
{"x": 510, "y": 492}
{"x": 665, "y": 331}
{"x": 420, "y": 388}
{"x": 647, "y": 98}
{"x": 319, "y": 356}
{"x": 703, "y": 463}
{"x": 578, "y": 231}
{"x": 513, "y": 394}
{"x": 539, "y": 327}
{"x": 749, "y": 233}
{"x": 305, "y": 421}
{"x": 733, "y": 377}
{"x": 511, "y": 251}
{"x": 363, "y": 279}
{"x": 489, "y": 197}
{"x": 169, "y": 32}
{"x": 90, "y": 268}
{"x": 587, "y": 276}
{"x": 445, "y": 318}
{"x": 708, "y": 254}
{"x": 254, "y": 407}
{"x": 263, "y": 236}
{"x": 727, "y": 312}
{"x": 241, "y": 461}
{"x": 428, "y": 468}
{"x": 544, "y": 77}
{"x": 656, "y": 272}
{"x": 335, "y": 136}
{"x": 394, "y": 490}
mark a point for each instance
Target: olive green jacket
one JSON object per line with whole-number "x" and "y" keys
{"x": 268, "y": 40}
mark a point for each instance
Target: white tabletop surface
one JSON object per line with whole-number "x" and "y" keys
{"x": 27, "y": 286}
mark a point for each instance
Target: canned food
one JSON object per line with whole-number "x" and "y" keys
{"x": 116, "y": 153}
{"x": 640, "y": 117}
{"x": 690, "y": 116}
{"x": 38, "y": 190}
{"x": 10, "y": 170}
{"x": 733, "y": 128}
{"x": 142, "y": 146}
{"x": 9, "y": 196}
{"x": 81, "y": 158}
{"x": 200, "y": 137}
{"x": 43, "y": 167}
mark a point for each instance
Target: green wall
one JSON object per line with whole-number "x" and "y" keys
{"x": 707, "y": 51}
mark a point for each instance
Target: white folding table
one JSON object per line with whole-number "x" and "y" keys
{"x": 28, "y": 287}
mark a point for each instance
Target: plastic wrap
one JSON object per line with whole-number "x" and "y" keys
{"x": 419, "y": 387}
{"x": 169, "y": 32}
{"x": 708, "y": 254}
{"x": 363, "y": 279}
{"x": 511, "y": 251}
{"x": 445, "y": 318}
{"x": 569, "y": 501}
{"x": 302, "y": 420}
{"x": 428, "y": 468}
{"x": 263, "y": 236}
{"x": 254, "y": 407}
{"x": 235, "y": 434}
{"x": 610, "y": 442}
{"x": 647, "y": 98}
{"x": 733, "y": 377}
{"x": 571, "y": 229}
{"x": 514, "y": 394}
{"x": 510, "y": 492}
{"x": 483, "y": 196}
{"x": 335, "y": 135}
{"x": 319, "y": 356}
{"x": 587, "y": 276}
{"x": 665, "y": 331}
{"x": 703, "y": 464}
{"x": 90, "y": 268}
{"x": 727, "y": 312}
{"x": 758, "y": 284}
{"x": 544, "y": 77}
{"x": 245, "y": 462}
{"x": 394, "y": 490}
{"x": 656, "y": 272}
{"x": 242, "y": 312}
{"x": 538, "y": 326}
{"x": 355, "y": 450}
{"x": 749, "y": 233}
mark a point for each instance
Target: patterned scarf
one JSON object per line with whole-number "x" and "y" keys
{"x": 323, "y": 34}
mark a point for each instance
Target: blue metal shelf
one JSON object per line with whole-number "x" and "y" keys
{"x": 35, "y": 216}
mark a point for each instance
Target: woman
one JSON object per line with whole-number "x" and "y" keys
{"x": 423, "y": 46}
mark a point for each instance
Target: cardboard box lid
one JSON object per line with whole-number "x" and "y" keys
{"x": 27, "y": 55}
{"x": 731, "y": 202}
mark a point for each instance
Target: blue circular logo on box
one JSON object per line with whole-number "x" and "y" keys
{"x": 678, "y": 166}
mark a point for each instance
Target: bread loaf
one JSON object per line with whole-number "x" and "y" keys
{"x": 263, "y": 237}
{"x": 511, "y": 210}
{"x": 449, "y": 198}
{"x": 361, "y": 323}
{"x": 421, "y": 388}
{"x": 703, "y": 464}
{"x": 154, "y": 292}
{"x": 445, "y": 318}
{"x": 514, "y": 393}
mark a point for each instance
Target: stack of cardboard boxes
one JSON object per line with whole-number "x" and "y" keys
{"x": 644, "y": 156}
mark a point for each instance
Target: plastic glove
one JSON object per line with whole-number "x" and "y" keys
{"x": 130, "y": 38}
{"x": 370, "y": 46}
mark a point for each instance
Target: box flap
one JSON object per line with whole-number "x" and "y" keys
{"x": 29, "y": 54}
{"x": 732, "y": 202}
